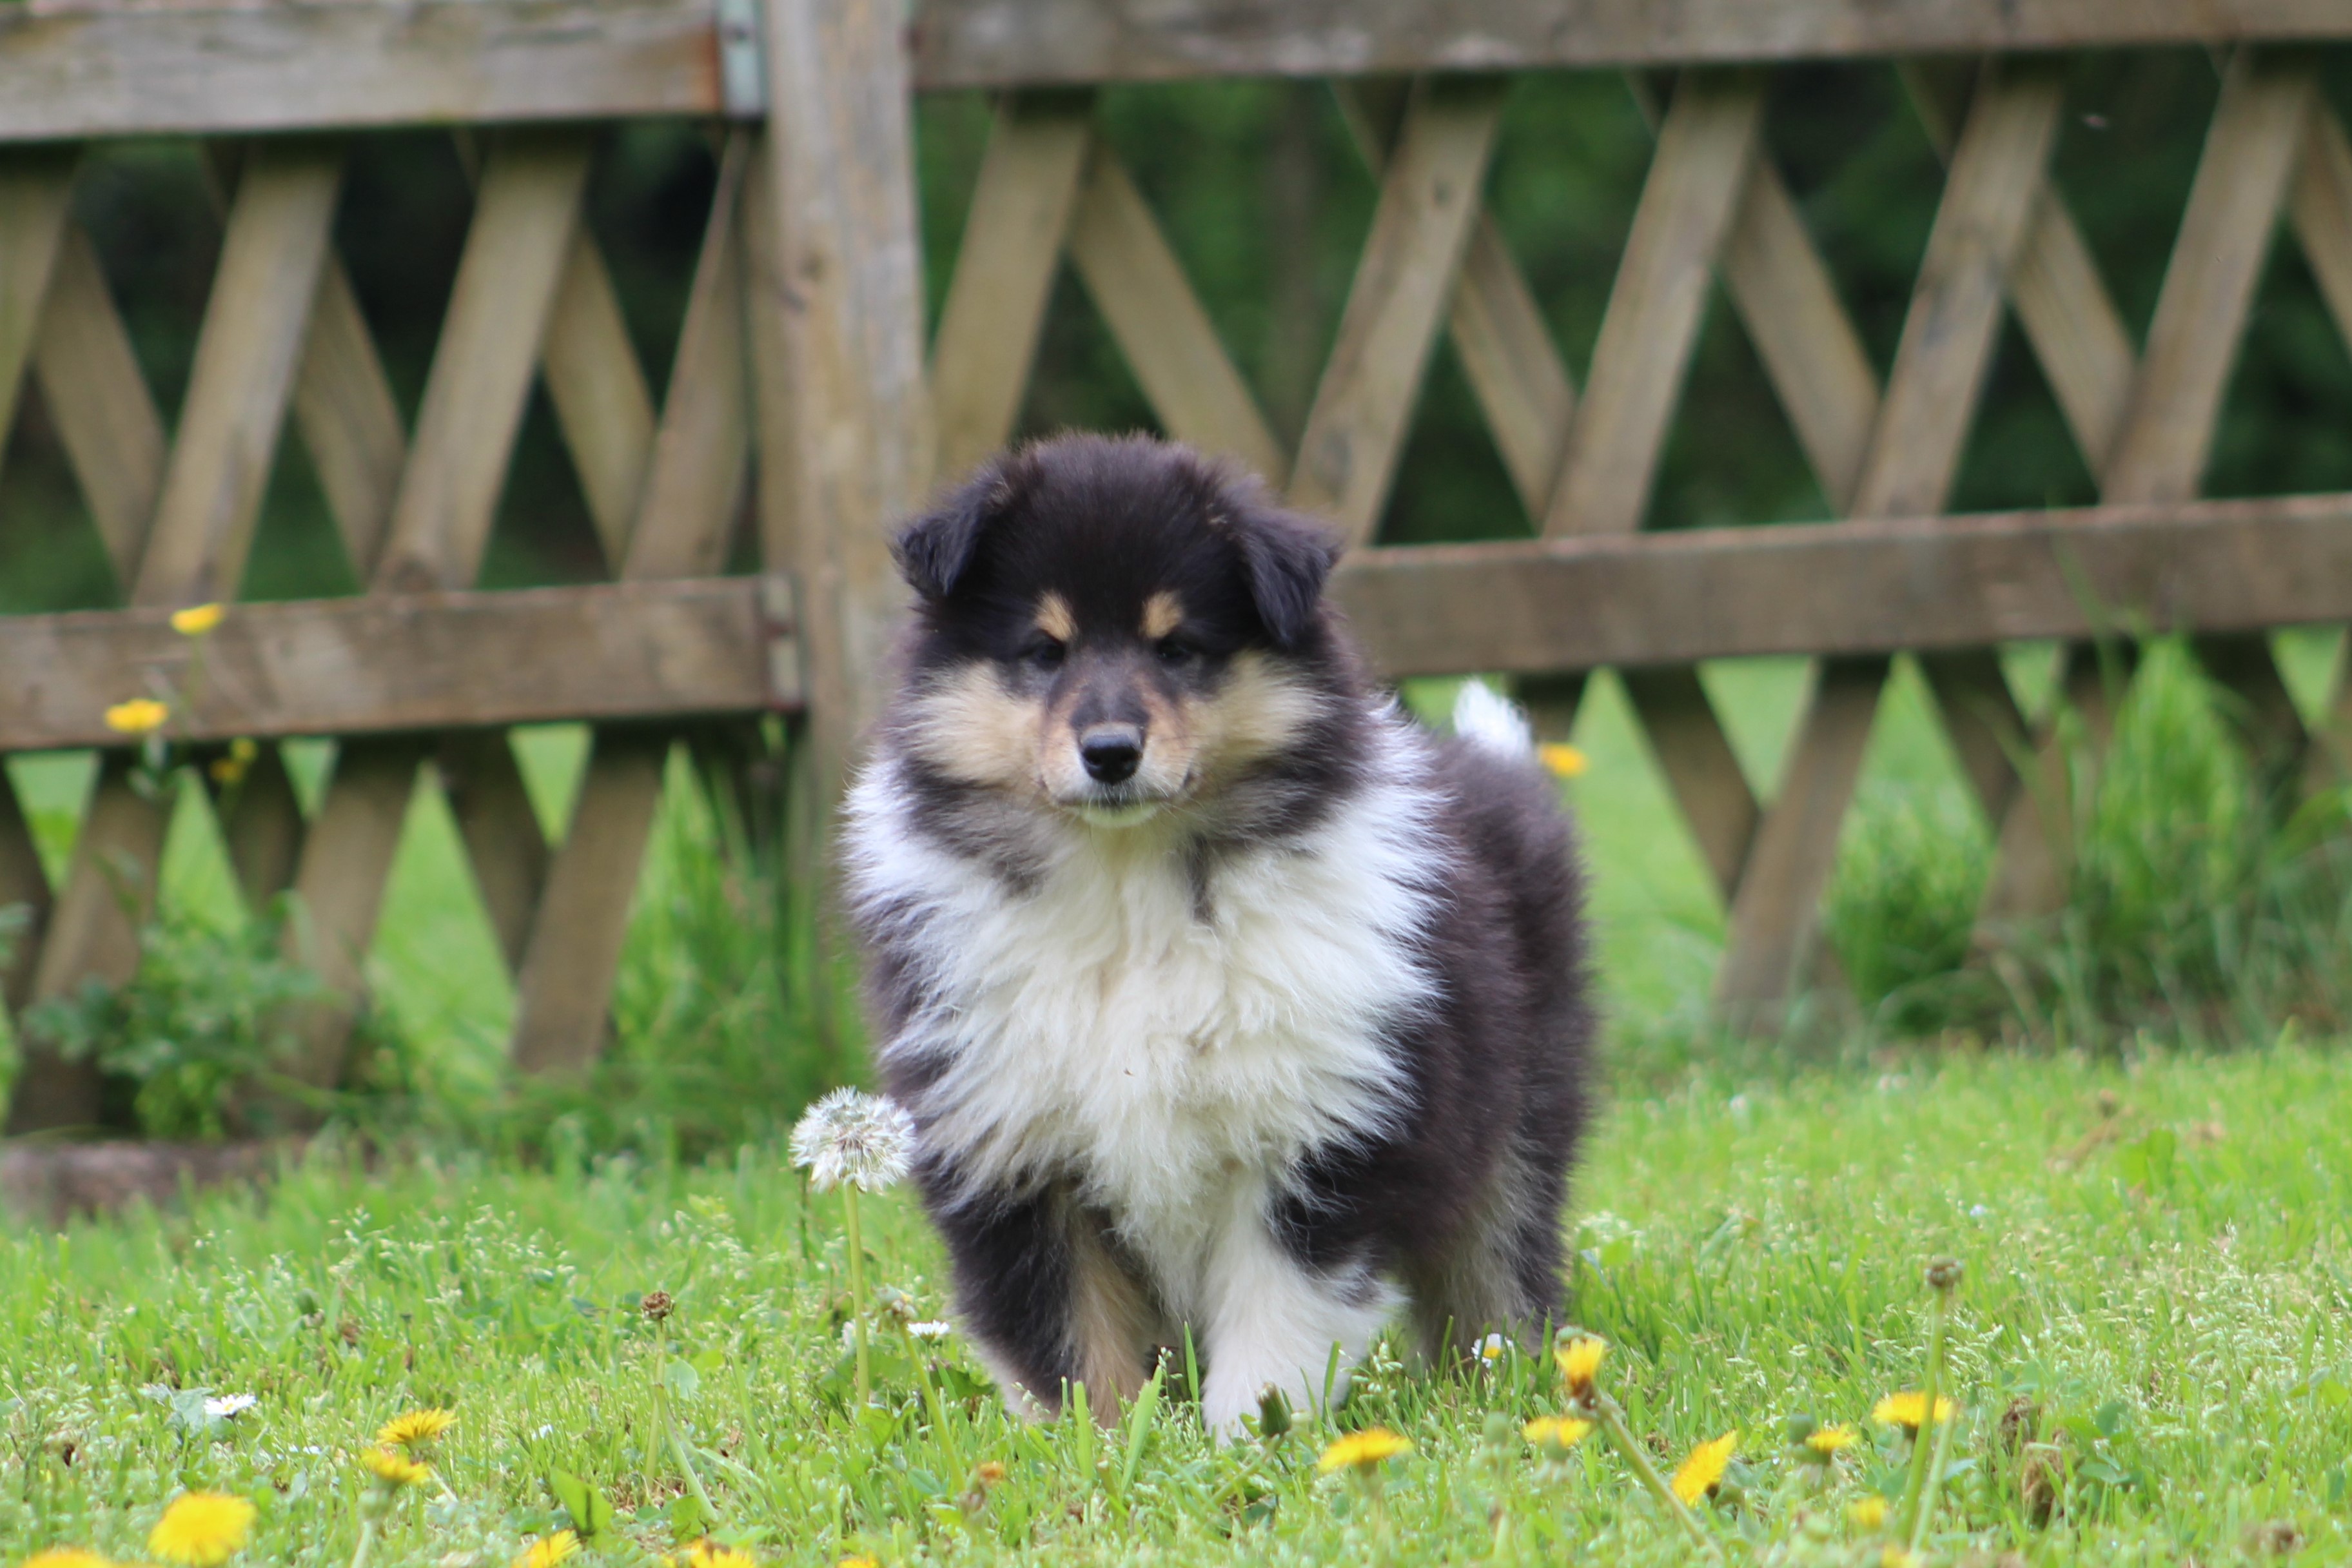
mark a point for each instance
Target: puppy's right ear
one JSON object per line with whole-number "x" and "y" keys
{"x": 935, "y": 551}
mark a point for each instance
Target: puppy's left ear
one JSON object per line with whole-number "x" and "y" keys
{"x": 934, "y": 550}
{"x": 1286, "y": 559}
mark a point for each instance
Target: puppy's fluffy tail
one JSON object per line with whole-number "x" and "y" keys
{"x": 1492, "y": 722}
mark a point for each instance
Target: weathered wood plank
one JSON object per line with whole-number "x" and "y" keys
{"x": 566, "y": 979}
{"x": 504, "y": 842}
{"x": 81, "y": 70}
{"x": 856, "y": 419}
{"x": 1005, "y": 271}
{"x": 243, "y": 374}
{"x": 2323, "y": 211}
{"x": 1705, "y": 151}
{"x": 261, "y": 826}
{"x": 400, "y": 662}
{"x": 2209, "y": 284}
{"x": 1431, "y": 198}
{"x": 695, "y": 487}
{"x": 1956, "y": 307}
{"x": 35, "y": 188}
{"x": 1775, "y": 913}
{"x": 1005, "y": 43}
{"x": 1498, "y": 329}
{"x": 1141, "y": 289}
{"x": 1697, "y": 757}
{"x": 344, "y": 408}
{"x": 603, "y": 405}
{"x": 104, "y": 412}
{"x": 1851, "y": 587}
{"x": 516, "y": 252}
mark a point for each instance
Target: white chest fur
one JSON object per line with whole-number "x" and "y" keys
{"x": 1167, "y": 1053}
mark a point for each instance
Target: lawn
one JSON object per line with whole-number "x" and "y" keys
{"x": 2152, "y": 1346}
{"x": 2157, "y": 1283}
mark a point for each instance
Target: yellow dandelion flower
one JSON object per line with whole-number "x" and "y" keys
{"x": 138, "y": 716}
{"x": 1564, "y": 759}
{"x": 1828, "y": 1440}
{"x": 548, "y": 1549}
{"x": 66, "y": 1557}
{"x": 1556, "y": 1434}
{"x": 1705, "y": 1467}
{"x": 200, "y": 1530}
{"x": 708, "y": 1553}
{"x": 393, "y": 1468}
{"x": 1580, "y": 1362}
{"x": 857, "y": 1563}
{"x": 196, "y": 619}
{"x": 1868, "y": 1513}
{"x": 1359, "y": 1449}
{"x": 416, "y": 1426}
{"x": 1909, "y": 1411}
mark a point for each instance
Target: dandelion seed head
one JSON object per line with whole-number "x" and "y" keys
{"x": 201, "y": 1530}
{"x": 1701, "y": 1471}
{"x": 1358, "y": 1450}
{"x": 854, "y": 1137}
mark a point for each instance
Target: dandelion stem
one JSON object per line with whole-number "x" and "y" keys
{"x": 1916, "y": 1489}
{"x": 367, "y": 1540}
{"x": 1934, "y": 1479}
{"x": 1612, "y": 1421}
{"x": 678, "y": 1447}
{"x": 857, "y": 1292}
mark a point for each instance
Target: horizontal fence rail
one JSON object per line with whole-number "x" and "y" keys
{"x": 799, "y": 414}
{"x": 77, "y": 70}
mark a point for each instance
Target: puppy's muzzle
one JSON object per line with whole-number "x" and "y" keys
{"x": 1112, "y": 752}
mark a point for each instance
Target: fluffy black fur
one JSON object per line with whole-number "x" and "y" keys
{"x": 1460, "y": 1201}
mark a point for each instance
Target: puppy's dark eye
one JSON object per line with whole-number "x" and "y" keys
{"x": 1045, "y": 653}
{"x": 1175, "y": 650}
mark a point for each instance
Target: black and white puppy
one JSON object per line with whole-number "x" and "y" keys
{"x": 1224, "y": 997}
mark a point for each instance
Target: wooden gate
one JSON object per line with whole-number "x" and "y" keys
{"x": 799, "y": 380}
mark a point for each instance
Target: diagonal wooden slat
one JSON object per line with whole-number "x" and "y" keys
{"x": 1136, "y": 281}
{"x": 243, "y": 374}
{"x": 1498, "y": 329}
{"x": 2322, "y": 206}
{"x": 515, "y": 253}
{"x": 1923, "y": 419}
{"x": 210, "y": 498}
{"x": 601, "y": 403}
{"x": 24, "y": 886}
{"x": 1005, "y": 271}
{"x": 344, "y": 407}
{"x": 1705, "y": 151}
{"x": 1430, "y": 203}
{"x": 105, "y": 414}
{"x": 515, "y": 256}
{"x": 1709, "y": 786}
{"x": 261, "y": 824}
{"x": 36, "y": 190}
{"x": 565, "y": 976}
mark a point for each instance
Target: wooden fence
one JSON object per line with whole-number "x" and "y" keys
{"x": 800, "y": 382}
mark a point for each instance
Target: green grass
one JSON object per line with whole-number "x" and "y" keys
{"x": 2157, "y": 1256}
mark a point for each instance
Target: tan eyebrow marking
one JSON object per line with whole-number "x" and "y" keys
{"x": 1054, "y": 618}
{"x": 1162, "y": 614}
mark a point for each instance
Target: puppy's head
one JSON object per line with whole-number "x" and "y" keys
{"x": 1110, "y": 627}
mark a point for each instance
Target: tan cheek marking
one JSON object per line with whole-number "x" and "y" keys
{"x": 1258, "y": 714}
{"x": 1162, "y": 614}
{"x": 1055, "y": 619}
{"x": 973, "y": 730}
{"x": 1170, "y": 742}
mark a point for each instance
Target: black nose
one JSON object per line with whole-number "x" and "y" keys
{"x": 1111, "y": 751}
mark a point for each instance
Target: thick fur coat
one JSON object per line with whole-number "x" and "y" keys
{"x": 1225, "y": 999}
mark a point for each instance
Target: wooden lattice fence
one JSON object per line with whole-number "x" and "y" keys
{"x": 800, "y": 389}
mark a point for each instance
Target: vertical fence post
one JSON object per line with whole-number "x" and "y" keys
{"x": 837, "y": 322}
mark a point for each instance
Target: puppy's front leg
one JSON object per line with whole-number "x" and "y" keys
{"x": 1272, "y": 1321}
